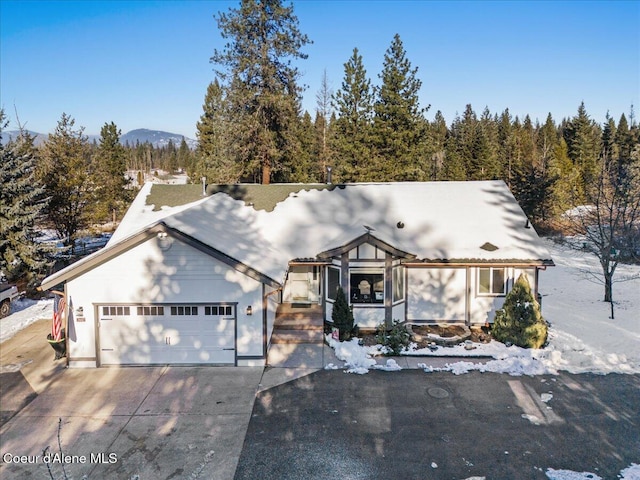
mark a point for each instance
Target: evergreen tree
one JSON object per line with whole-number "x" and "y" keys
{"x": 354, "y": 106}
{"x": 65, "y": 174}
{"x": 342, "y": 316}
{"x": 214, "y": 160}
{"x": 323, "y": 114}
{"x": 261, "y": 83}
{"x": 583, "y": 140}
{"x": 184, "y": 156}
{"x": 111, "y": 193}
{"x": 22, "y": 204}
{"x": 399, "y": 124}
{"x": 438, "y": 134}
{"x": 519, "y": 321}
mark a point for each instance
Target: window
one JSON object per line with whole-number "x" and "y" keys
{"x": 184, "y": 310}
{"x": 367, "y": 286}
{"x": 116, "y": 311}
{"x": 150, "y": 311}
{"x": 333, "y": 282}
{"x": 398, "y": 284}
{"x": 491, "y": 281}
{"x": 226, "y": 310}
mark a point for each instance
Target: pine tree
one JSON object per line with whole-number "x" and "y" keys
{"x": 109, "y": 175}
{"x": 342, "y": 316}
{"x": 399, "y": 125}
{"x": 519, "y": 321}
{"x": 64, "y": 173}
{"x": 214, "y": 159}
{"x": 437, "y": 141}
{"x": 322, "y": 125}
{"x": 22, "y": 204}
{"x": 261, "y": 83}
{"x": 352, "y": 140}
{"x": 583, "y": 140}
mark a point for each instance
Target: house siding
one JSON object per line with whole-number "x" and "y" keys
{"x": 162, "y": 272}
{"x": 436, "y": 294}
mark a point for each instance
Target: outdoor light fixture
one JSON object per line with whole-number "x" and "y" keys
{"x": 249, "y": 310}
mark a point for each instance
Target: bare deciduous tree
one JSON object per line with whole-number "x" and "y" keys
{"x": 610, "y": 220}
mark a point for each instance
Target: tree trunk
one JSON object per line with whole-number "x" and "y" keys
{"x": 608, "y": 287}
{"x": 266, "y": 171}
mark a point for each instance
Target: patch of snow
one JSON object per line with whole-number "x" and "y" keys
{"x": 546, "y": 397}
{"x": 25, "y": 312}
{"x": 390, "y": 366}
{"x": 631, "y": 473}
{"x": 434, "y": 465}
{"x": 569, "y": 475}
{"x": 582, "y": 337}
{"x": 532, "y": 418}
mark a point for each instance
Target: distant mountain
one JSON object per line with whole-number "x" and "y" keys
{"x": 9, "y": 135}
{"x": 157, "y": 138}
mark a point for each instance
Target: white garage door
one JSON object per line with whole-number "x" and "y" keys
{"x": 167, "y": 334}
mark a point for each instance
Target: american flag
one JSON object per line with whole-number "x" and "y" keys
{"x": 59, "y": 305}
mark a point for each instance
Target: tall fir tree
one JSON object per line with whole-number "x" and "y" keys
{"x": 352, "y": 139}
{"x": 263, "y": 39}
{"x": 22, "y": 207}
{"x": 583, "y": 140}
{"x": 65, "y": 174}
{"x": 213, "y": 155}
{"x": 112, "y": 197}
{"x": 399, "y": 124}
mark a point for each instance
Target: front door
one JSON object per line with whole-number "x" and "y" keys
{"x": 303, "y": 285}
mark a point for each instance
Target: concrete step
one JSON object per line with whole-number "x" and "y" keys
{"x": 297, "y": 336}
{"x": 299, "y": 308}
{"x": 294, "y": 323}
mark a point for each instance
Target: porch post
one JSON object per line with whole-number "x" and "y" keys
{"x": 344, "y": 275}
{"x": 388, "y": 290}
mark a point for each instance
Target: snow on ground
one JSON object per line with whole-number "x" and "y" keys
{"x": 582, "y": 337}
{"x": 24, "y": 313}
{"x": 630, "y": 473}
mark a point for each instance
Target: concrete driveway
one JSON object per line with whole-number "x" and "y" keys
{"x": 416, "y": 425}
{"x": 142, "y": 423}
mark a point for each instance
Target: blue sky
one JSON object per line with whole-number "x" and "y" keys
{"x": 145, "y": 64}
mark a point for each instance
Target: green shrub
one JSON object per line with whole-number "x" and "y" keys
{"x": 519, "y": 321}
{"x": 342, "y": 316}
{"x": 395, "y": 339}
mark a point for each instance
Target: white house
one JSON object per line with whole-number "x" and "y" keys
{"x": 200, "y": 283}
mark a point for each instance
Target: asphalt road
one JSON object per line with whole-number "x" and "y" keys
{"x": 414, "y": 425}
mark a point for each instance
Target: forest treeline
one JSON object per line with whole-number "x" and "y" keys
{"x": 253, "y": 129}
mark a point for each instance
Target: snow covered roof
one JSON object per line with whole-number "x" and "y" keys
{"x": 430, "y": 222}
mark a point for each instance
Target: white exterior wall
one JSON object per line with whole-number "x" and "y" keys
{"x": 397, "y": 312}
{"x": 273, "y": 300}
{"x": 148, "y": 275}
{"x": 483, "y": 307}
{"x": 436, "y": 294}
{"x": 368, "y": 317}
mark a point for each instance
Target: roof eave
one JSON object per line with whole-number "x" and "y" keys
{"x": 102, "y": 256}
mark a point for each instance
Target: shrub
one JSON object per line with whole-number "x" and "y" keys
{"x": 342, "y": 316}
{"x": 395, "y": 339}
{"x": 519, "y": 321}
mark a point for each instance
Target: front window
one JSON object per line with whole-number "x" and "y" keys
{"x": 492, "y": 281}
{"x": 333, "y": 282}
{"x": 398, "y": 284}
{"x": 367, "y": 286}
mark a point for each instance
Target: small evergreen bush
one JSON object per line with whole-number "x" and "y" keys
{"x": 519, "y": 321}
{"x": 395, "y": 339}
{"x": 342, "y": 316}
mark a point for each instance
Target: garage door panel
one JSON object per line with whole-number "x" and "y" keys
{"x": 186, "y": 336}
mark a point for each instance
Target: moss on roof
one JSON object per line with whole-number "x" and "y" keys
{"x": 261, "y": 197}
